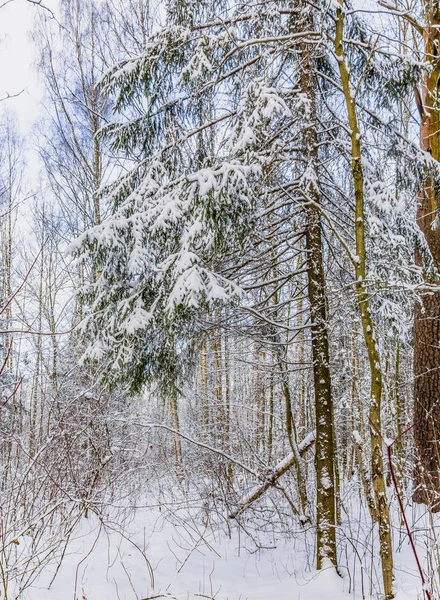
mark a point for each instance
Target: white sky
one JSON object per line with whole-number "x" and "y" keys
{"x": 17, "y": 61}
{"x": 19, "y": 73}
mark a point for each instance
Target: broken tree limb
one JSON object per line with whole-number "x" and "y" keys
{"x": 282, "y": 467}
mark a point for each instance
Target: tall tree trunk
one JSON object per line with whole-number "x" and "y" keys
{"x": 380, "y": 511}
{"x": 204, "y": 387}
{"x": 427, "y": 315}
{"x": 399, "y": 416}
{"x": 324, "y": 455}
{"x": 217, "y": 352}
{"x": 260, "y": 399}
{"x": 174, "y": 409}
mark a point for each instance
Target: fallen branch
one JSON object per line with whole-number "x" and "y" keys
{"x": 282, "y": 467}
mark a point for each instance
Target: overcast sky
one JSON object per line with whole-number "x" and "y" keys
{"x": 18, "y": 73}
{"x": 17, "y": 60}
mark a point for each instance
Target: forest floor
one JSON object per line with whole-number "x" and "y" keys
{"x": 189, "y": 561}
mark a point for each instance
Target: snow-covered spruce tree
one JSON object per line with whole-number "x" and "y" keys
{"x": 215, "y": 204}
{"x": 231, "y": 165}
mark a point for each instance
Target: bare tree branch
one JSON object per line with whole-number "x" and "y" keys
{"x": 8, "y": 95}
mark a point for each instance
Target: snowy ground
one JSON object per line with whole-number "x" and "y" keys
{"x": 186, "y": 565}
{"x": 189, "y": 562}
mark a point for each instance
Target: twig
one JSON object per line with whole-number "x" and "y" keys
{"x": 399, "y": 498}
{"x": 5, "y": 362}
{"x": 3, "y": 404}
{"x": 393, "y": 9}
{"x": 26, "y": 277}
{"x": 8, "y": 95}
{"x": 43, "y": 6}
{"x": 201, "y": 445}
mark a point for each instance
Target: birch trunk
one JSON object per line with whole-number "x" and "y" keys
{"x": 380, "y": 511}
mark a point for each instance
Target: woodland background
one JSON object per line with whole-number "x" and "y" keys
{"x": 219, "y": 296}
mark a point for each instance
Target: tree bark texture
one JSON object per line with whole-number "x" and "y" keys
{"x": 427, "y": 313}
{"x": 316, "y": 289}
